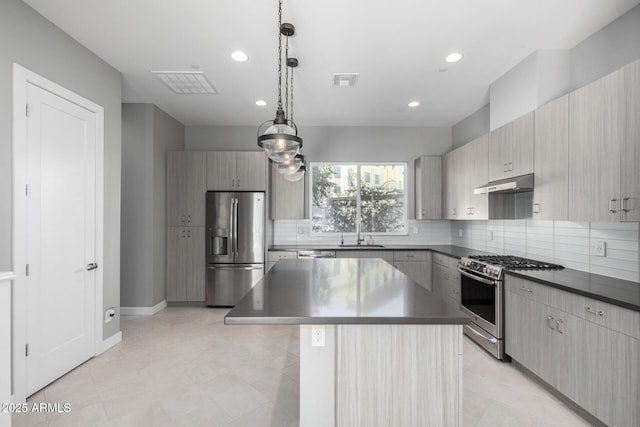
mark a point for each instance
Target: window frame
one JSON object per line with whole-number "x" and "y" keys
{"x": 358, "y": 166}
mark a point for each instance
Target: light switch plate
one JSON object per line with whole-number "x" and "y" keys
{"x": 601, "y": 248}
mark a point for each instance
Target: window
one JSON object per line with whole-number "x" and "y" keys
{"x": 343, "y": 196}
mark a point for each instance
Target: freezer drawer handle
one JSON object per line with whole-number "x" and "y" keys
{"x": 233, "y": 267}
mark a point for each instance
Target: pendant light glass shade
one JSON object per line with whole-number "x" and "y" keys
{"x": 291, "y": 166}
{"x": 297, "y": 176}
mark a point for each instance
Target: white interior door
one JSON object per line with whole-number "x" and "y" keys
{"x": 61, "y": 233}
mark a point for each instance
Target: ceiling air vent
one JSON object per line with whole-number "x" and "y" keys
{"x": 345, "y": 79}
{"x": 186, "y": 82}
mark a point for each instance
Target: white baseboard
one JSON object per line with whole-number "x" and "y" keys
{"x": 109, "y": 342}
{"x": 143, "y": 311}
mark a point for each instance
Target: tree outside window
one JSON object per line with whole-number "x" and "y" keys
{"x": 343, "y": 196}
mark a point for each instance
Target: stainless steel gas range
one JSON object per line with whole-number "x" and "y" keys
{"x": 482, "y": 296}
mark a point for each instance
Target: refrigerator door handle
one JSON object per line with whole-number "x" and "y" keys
{"x": 235, "y": 226}
{"x": 232, "y": 219}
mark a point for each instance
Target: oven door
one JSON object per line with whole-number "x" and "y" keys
{"x": 481, "y": 298}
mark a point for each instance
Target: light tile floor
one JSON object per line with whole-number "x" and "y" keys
{"x": 183, "y": 367}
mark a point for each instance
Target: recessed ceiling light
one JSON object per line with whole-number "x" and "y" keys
{"x": 453, "y": 57}
{"x": 413, "y": 104}
{"x": 261, "y": 103}
{"x": 239, "y": 56}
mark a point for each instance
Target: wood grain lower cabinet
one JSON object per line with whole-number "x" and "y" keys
{"x": 185, "y": 264}
{"x": 385, "y": 255}
{"x": 595, "y": 366}
{"x": 416, "y": 265}
{"x": 446, "y": 279}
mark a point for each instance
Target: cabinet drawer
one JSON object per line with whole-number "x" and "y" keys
{"x": 526, "y": 288}
{"x": 445, "y": 261}
{"x": 278, "y": 255}
{"x": 411, "y": 256}
{"x": 608, "y": 315}
{"x": 385, "y": 255}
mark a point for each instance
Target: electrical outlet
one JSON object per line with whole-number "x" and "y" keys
{"x": 601, "y": 248}
{"x": 317, "y": 336}
{"x": 109, "y": 314}
{"x": 459, "y": 232}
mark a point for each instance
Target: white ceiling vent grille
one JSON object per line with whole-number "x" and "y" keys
{"x": 345, "y": 79}
{"x": 186, "y": 82}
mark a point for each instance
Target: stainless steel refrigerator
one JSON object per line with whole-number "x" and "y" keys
{"x": 235, "y": 245}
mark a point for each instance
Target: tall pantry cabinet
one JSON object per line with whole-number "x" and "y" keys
{"x": 186, "y": 189}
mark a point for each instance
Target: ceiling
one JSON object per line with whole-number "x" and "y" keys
{"x": 397, "y": 47}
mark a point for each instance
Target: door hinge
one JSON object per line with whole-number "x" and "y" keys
{"x": 26, "y": 350}
{"x": 27, "y": 269}
{"x": 27, "y": 110}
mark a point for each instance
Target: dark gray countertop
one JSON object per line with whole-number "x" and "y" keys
{"x": 619, "y": 292}
{"x": 340, "y": 291}
{"x": 455, "y": 251}
{"x": 608, "y": 289}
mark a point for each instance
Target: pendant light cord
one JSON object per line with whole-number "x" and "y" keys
{"x": 280, "y": 55}
{"x": 286, "y": 77}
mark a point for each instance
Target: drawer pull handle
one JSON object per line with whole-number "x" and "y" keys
{"x": 611, "y": 206}
{"x": 550, "y": 323}
{"x": 599, "y": 312}
{"x": 526, "y": 289}
{"x": 558, "y": 323}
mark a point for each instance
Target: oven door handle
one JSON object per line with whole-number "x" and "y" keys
{"x": 478, "y": 278}
{"x": 492, "y": 340}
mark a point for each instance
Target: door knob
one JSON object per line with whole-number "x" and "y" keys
{"x": 92, "y": 266}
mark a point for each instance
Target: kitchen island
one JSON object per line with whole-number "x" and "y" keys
{"x": 386, "y": 352}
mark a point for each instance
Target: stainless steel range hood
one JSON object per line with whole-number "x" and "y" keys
{"x": 517, "y": 184}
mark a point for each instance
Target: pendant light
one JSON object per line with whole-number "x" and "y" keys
{"x": 297, "y": 176}
{"x": 279, "y": 138}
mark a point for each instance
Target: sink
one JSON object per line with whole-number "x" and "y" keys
{"x": 362, "y": 246}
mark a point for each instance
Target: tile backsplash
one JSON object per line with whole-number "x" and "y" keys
{"x": 297, "y": 232}
{"x": 571, "y": 244}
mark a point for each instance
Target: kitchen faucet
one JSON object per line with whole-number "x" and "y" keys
{"x": 360, "y": 240}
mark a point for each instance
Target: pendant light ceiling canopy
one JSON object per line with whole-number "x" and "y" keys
{"x": 279, "y": 137}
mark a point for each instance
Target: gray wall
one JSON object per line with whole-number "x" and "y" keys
{"x": 147, "y": 134}
{"x": 615, "y": 45}
{"x": 321, "y": 144}
{"x": 33, "y": 42}
{"x": 475, "y": 125}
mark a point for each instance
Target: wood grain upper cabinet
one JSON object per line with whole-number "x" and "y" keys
{"x": 454, "y": 199}
{"x": 287, "y": 198}
{"x": 511, "y": 148}
{"x": 186, "y": 188}
{"x": 428, "y": 187}
{"x": 476, "y": 171}
{"x": 630, "y": 149}
{"x": 236, "y": 170}
{"x": 551, "y": 169}
{"x": 595, "y": 129}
